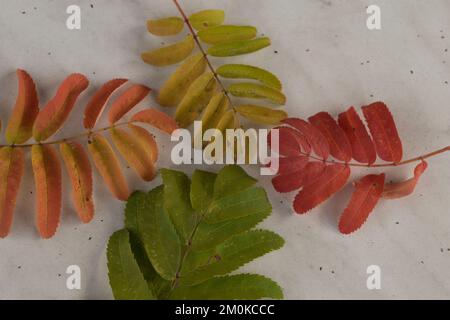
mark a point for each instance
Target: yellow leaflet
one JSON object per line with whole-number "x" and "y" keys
{"x": 196, "y": 98}
{"x": 165, "y": 27}
{"x": 236, "y": 48}
{"x": 257, "y": 91}
{"x": 222, "y": 34}
{"x": 176, "y": 86}
{"x": 243, "y": 71}
{"x": 262, "y": 115}
{"x": 207, "y": 18}
{"x": 170, "y": 54}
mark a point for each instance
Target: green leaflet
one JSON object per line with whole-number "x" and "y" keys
{"x": 222, "y": 34}
{"x": 243, "y": 71}
{"x": 213, "y": 215}
{"x": 207, "y": 18}
{"x": 234, "y": 253}
{"x": 262, "y": 115}
{"x": 257, "y": 91}
{"x": 241, "y": 286}
{"x": 236, "y": 48}
{"x": 125, "y": 277}
{"x": 170, "y": 54}
{"x": 165, "y": 27}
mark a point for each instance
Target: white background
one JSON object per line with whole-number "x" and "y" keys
{"x": 328, "y": 60}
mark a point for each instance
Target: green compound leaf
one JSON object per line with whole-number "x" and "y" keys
{"x": 202, "y": 189}
{"x": 243, "y": 71}
{"x": 232, "y": 179}
{"x": 125, "y": 277}
{"x": 171, "y": 54}
{"x": 257, "y": 91}
{"x": 241, "y": 286}
{"x": 234, "y": 253}
{"x": 207, "y": 18}
{"x": 237, "y": 48}
{"x": 222, "y": 34}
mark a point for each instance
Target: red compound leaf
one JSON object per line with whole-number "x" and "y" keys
{"x": 314, "y": 137}
{"x": 404, "y": 188}
{"x": 340, "y": 147}
{"x": 362, "y": 146}
{"x": 384, "y": 132}
{"x": 328, "y": 183}
{"x": 364, "y": 199}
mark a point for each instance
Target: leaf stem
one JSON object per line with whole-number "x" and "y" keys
{"x": 381, "y": 165}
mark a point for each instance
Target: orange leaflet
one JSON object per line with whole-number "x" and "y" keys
{"x": 96, "y": 105}
{"x": 364, "y": 199}
{"x": 328, "y": 183}
{"x": 80, "y": 172}
{"x": 157, "y": 119}
{"x": 340, "y": 147}
{"x": 55, "y": 113}
{"x": 404, "y": 188}
{"x": 146, "y": 140}
{"x": 362, "y": 146}
{"x": 127, "y": 101}
{"x": 314, "y": 137}
{"x": 384, "y": 132}
{"x": 47, "y": 179}
{"x": 20, "y": 125}
{"x": 134, "y": 153}
{"x": 11, "y": 172}
{"x": 291, "y": 142}
{"x": 108, "y": 166}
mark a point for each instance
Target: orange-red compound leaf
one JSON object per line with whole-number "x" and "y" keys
{"x": 291, "y": 164}
{"x": 328, "y": 183}
{"x": 340, "y": 147}
{"x": 134, "y": 153}
{"x": 47, "y": 179}
{"x": 384, "y": 132}
{"x": 404, "y": 188}
{"x": 11, "y": 172}
{"x": 146, "y": 140}
{"x": 363, "y": 148}
{"x": 55, "y": 113}
{"x": 20, "y": 125}
{"x": 291, "y": 143}
{"x": 156, "y": 119}
{"x": 127, "y": 101}
{"x": 364, "y": 199}
{"x": 314, "y": 137}
{"x": 79, "y": 169}
{"x": 97, "y": 104}
{"x": 108, "y": 166}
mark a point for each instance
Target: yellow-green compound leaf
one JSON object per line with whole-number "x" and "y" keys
{"x": 222, "y": 34}
{"x": 234, "y": 253}
{"x": 147, "y": 214}
{"x": 170, "y": 54}
{"x": 106, "y": 162}
{"x": 202, "y": 188}
{"x": 236, "y": 48}
{"x": 241, "y": 286}
{"x": 243, "y": 71}
{"x": 177, "y": 202}
{"x": 195, "y": 100}
{"x": 125, "y": 277}
{"x": 176, "y": 86}
{"x": 262, "y": 115}
{"x": 207, "y": 18}
{"x": 232, "y": 179}
{"x": 165, "y": 27}
{"x": 257, "y": 91}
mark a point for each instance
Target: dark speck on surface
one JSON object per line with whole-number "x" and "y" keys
{"x": 307, "y": 50}
{"x": 275, "y": 52}
{"x": 397, "y": 222}
{"x": 92, "y": 6}
{"x": 332, "y": 271}
{"x": 24, "y": 12}
{"x": 19, "y": 267}
{"x": 59, "y": 274}
{"x": 90, "y": 238}
{"x": 411, "y": 71}
{"x": 320, "y": 268}
{"x": 442, "y": 249}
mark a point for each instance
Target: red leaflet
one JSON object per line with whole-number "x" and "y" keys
{"x": 314, "y": 137}
{"x": 405, "y": 188}
{"x": 362, "y": 146}
{"x": 328, "y": 183}
{"x": 384, "y": 132}
{"x": 288, "y": 182}
{"x": 292, "y": 164}
{"x": 339, "y": 145}
{"x": 313, "y": 171}
{"x": 292, "y": 142}
{"x": 364, "y": 199}
{"x": 96, "y": 105}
